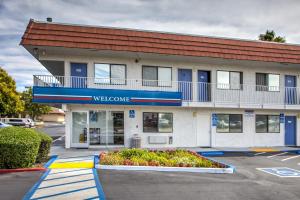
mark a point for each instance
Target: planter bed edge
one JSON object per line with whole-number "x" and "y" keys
{"x": 227, "y": 170}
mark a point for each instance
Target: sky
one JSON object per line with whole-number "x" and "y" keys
{"x": 244, "y": 19}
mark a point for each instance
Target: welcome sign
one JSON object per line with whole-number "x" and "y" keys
{"x": 105, "y": 96}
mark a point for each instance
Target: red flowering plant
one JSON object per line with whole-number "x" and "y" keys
{"x": 168, "y": 158}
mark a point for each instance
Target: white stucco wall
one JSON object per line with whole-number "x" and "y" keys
{"x": 192, "y": 126}
{"x": 134, "y": 70}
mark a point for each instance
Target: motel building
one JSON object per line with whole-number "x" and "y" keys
{"x": 171, "y": 90}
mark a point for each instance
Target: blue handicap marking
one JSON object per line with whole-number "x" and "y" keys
{"x": 281, "y": 171}
{"x": 131, "y": 113}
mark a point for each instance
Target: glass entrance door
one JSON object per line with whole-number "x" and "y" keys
{"x": 106, "y": 128}
{"x": 97, "y": 127}
{"x": 79, "y": 129}
{"x": 115, "y": 133}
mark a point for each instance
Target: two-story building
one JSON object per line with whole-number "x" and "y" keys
{"x": 172, "y": 90}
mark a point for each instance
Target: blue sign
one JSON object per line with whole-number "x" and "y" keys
{"x": 105, "y": 96}
{"x": 281, "y": 118}
{"x": 281, "y": 171}
{"x": 131, "y": 113}
{"x": 214, "y": 119}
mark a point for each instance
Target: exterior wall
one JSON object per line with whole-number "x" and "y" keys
{"x": 183, "y": 131}
{"x": 192, "y": 127}
{"x": 134, "y": 70}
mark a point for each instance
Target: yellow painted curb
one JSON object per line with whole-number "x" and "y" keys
{"x": 71, "y": 165}
{"x": 264, "y": 150}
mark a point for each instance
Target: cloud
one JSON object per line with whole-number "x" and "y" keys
{"x": 227, "y": 18}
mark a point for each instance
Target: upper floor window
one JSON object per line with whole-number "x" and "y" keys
{"x": 114, "y": 74}
{"x": 267, "y": 82}
{"x": 157, "y": 76}
{"x": 229, "y": 80}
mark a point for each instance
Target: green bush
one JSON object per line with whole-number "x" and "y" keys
{"x": 18, "y": 147}
{"x": 143, "y": 157}
{"x": 44, "y": 148}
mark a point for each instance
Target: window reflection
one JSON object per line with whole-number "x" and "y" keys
{"x": 230, "y": 123}
{"x": 110, "y": 74}
{"x": 158, "y": 122}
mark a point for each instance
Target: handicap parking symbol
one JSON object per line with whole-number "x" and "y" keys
{"x": 281, "y": 171}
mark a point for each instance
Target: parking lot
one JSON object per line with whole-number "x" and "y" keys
{"x": 15, "y": 185}
{"x": 247, "y": 183}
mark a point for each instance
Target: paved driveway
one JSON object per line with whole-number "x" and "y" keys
{"x": 246, "y": 183}
{"x": 15, "y": 185}
{"x": 56, "y": 131}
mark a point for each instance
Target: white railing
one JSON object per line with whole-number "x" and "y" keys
{"x": 236, "y": 95}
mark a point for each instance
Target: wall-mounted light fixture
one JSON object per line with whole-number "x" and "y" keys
{"x": 35, "y": 51}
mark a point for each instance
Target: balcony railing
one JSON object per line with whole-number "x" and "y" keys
{"x": 209, "y": 94}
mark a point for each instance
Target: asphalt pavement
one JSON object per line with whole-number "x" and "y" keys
{"x": 247, "y": 183}
{"x": 15, "y": 185}
{"x": 56, "y": 131}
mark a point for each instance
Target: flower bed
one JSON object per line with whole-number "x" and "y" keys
{"x": 168, "y": 158}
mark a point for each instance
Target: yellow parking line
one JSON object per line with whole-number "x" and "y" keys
{"x": 57, "y": 165}
{"x": 264, "y": 150}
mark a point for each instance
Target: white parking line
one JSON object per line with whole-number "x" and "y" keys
{"x": 60, "y": 138}
{"x": 290, "y": 158}
{"x": 259, "y": 153}
{"x": 277, "y": 154}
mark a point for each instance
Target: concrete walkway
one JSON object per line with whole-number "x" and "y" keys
{"x": 63, "y": 152}
{"x": 69, "y": 178}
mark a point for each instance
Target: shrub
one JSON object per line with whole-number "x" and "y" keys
{"x": 44, "y": 148}
{"x": 18, "y": 147}
{"x": 128, "y": 153}
{"x": 111, "y": 159}
{"x": 169, "y": 158}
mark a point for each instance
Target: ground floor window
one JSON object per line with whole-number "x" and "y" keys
{"x": 99, "y": 127}
{"x": 157, "y": 122}
{"x": 267, "y": 123}
{"x": 230, "y": 123}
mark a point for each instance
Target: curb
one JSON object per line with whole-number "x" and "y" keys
{"x": 220, "y": 153}
{"x": 50, "y": 161}
{"x": 46, "y": 165}
{"x": 5, "y": 171}
{"x": 228, "y": 170}
{"x": 211, "y": 153}
{"x": 98, "y": 185}
{"x": 223, "y": 163}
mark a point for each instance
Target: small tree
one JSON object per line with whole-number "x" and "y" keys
{"x": 271, "y": 36}
{"x": 34, "y": 110}
{"x": 10, "y": 102}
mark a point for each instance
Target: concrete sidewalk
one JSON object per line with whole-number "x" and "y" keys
{"x": 69, "y": 178}
{"x": 73, "y": 152}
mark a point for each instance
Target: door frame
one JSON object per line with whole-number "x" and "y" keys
{"x": 295, "y": 136}
{"x": 85, "y": 83}
{"x": 87, "y": 145}
{"x": 190, "y": 94}
{"x": 290, "y": 95}
{"x": 209, "y": 88}
{"x": 80, "y": 145}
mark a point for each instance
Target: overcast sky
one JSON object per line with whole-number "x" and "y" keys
{"x": 244, "y": 19}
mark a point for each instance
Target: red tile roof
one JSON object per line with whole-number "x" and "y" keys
{"x": 117, "y": 39}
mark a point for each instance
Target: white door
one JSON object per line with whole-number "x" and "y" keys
{"x": 203, "y": 129}
{"x": 80, "y": 135}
